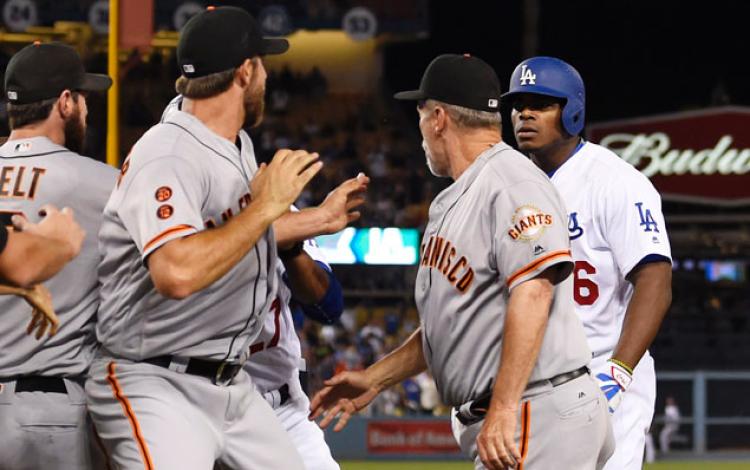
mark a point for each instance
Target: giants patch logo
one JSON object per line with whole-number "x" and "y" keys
{"x": 529, "y": 223}
{"x": 438, "y": 254}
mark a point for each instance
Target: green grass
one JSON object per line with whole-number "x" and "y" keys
{"x": 419, "y": 465}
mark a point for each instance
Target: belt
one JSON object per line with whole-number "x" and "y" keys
{"x": 278, "y": 397}
{"x": 38, "y": 383}
{"x": 474, "y": 411}
{"x": 220, "y": 372}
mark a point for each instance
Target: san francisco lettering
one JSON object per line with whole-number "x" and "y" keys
{"x": 439, "y": 254}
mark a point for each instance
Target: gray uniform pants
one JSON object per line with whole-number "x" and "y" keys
{"x": 565, "y": 427}
{"x": 46, "y": 430}
{"x": 155, "y": 418}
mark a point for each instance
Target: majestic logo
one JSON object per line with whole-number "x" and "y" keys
{"x": 22, "y": 147}
{"x": 647, "y": 220}
{"x": 527, "y": 75}
{"x": 574, "y": 229}
{"x": 529, "y": 223}
{"x": 188, "y": 68}
{"x": 492, "y": 103}
{"x": 12, "y": 95}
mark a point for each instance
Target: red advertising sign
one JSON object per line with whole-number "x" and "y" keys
{"x": 701, "y": 156}
{"x": 410, "y": 437}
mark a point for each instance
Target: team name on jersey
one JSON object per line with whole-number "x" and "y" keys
{"x": 438, "y": 254}
{"x": 529, "y": 222}
{"x": 18, "y": 182}
{"x": 574, "y": 228}
{"x": 229, "y": 213}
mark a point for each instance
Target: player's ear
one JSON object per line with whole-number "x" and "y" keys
{"x": 65, "y": 104}
{"x": 244, "y": 73}
{"x": 441, "y": 119}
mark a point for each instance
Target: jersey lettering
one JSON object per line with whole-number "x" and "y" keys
{"x": 12, "y": 183}
{"x": 438, "y": 254}
{"x": 528, "y": 77}
{"x": 574, "y": 229}
{"x": 585, "y": 291}
{"x": 647, "y": 220}
{"x": 259, "y": 346}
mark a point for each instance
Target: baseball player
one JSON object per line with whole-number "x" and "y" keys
{"x": 189, "y": 268}
{"x": 276, "y": 363}
{"x": 44, "y": 419}
{"x": 622, "y": 275}
{"x": 276, "y": 358}
{"x": 498, "y": 329}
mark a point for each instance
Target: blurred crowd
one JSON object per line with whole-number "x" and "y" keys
{"x": 365, "y": 334}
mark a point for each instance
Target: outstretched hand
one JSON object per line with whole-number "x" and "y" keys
{"x": 343, "y": 395}
{"x": 340, "y": 204}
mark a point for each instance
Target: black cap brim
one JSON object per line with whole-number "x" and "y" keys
{"x": 273, "y": 46}
{"x": 95, "y": 82}
{"x": 411, "y": 95}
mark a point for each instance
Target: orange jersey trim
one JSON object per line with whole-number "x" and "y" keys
{"x": 166, "y": 233}
{"x": 535, "y": 264}
{"x": 525, "y": 432}
{"x": 128, "y": 410}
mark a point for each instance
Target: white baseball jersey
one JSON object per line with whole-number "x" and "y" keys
{"x": 276, "y": 356}
{"x": 614, "y": 221}
{"x": 179, "y": 179}
{"x": 35, "y": 172}
{"x": 499, "y": 224}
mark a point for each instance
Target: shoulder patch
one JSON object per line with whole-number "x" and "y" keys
{"x": 164, "y": 193}
{"x": 529, "y": 223}
{"x": 164, "y": 211}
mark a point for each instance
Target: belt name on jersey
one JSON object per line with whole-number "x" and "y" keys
{"x": 13, "y": 176}
{"x": 438, "y": 253}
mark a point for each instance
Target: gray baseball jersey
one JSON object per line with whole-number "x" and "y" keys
{"x": 499, "y": 224}
{"x": 179, "y": 179}
{"x": 36, "y": 172}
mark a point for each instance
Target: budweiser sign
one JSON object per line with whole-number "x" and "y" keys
{"x": 702, "y": 156}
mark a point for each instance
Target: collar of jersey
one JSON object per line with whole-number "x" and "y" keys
{"x": 203, "y": 133}
{"x": 580, "y": 145}
{"x": 39, "y": 144}
{"x": 470, "y": 174}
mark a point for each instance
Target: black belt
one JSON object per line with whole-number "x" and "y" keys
{"x": 474, "y": 411}
{"x": 38, "y": 383}
{"x": 220, "y": 372}
{"x": 284, "y": 394}
{"x": 281, "y": 394}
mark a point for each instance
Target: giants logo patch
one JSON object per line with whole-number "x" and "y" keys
{"x": 529, "y": 223}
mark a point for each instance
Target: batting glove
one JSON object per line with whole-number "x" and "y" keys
{"x": 613, "y": 378}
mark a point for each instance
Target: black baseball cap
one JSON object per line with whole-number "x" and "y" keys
{"x": 220, "y": 39}
{"x": 44, "y": 70}
{"x": 461, "y": 80}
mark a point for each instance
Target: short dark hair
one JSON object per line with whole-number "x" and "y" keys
{"x": 206, "y": 86}
{"x": 21, "y": 115}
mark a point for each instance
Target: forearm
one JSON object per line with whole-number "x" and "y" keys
{"x": 294, "y": 227}
{"x": 406, "y": 361}
{"x": 186, "y": 265}
{"x": 652, "y": 295}
{"x": 307, "y": 279}
{"x": 525, "y": 324}
{"x": 31, "y": 259}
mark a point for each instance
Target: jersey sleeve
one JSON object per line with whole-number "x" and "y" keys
{"x": 530, "y": 233}
{"x": 634, "y": 224}
{"x": 312, "y": 249}
{"x": 161, "y": 202}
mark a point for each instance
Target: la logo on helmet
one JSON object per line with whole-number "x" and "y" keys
{"x": 527, "y": 75}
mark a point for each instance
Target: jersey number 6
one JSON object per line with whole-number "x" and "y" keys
{"x": 585, "y": 291}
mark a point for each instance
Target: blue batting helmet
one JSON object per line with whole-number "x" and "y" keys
{"x": 552, "y": 77}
